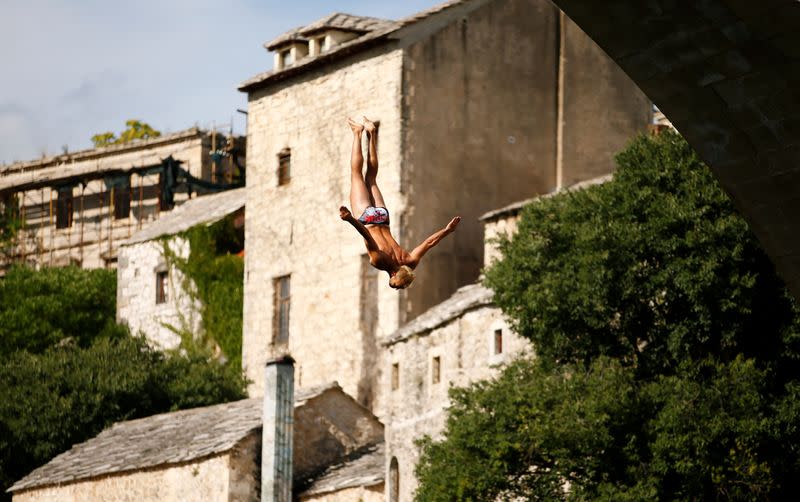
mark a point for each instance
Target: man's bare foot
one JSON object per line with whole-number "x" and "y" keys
{"x": 344, "y": 213}
{"x": 355, "y": 126}
{"x": 369, "y": 125}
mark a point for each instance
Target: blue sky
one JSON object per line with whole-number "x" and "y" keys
{"x": 73, "y": 68}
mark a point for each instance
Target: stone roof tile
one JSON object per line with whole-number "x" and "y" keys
{"x": 463, "y": 300}
{"x": 201, "y": 210}
{"x": 365, "y": 467}
{"x": 167, "y": 438}
{"x": 379, "y": 31}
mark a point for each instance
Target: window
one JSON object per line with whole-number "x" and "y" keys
{"x": 281, "y": 314}
{"x": 161, "y": 287}
{"x": 286, "y": 58}
{"x": 394, "y": 480}
{"x": 498, "y": 341}
{"x": 164, "y": 203}
{"x": 436, "y": 370}
{"x": 64, "y": 208}
{"x": 395, "y": 376}
{"x": 321, "y": 44}
{"x": 122, "y": 199}
{"x": 284, "y": 166}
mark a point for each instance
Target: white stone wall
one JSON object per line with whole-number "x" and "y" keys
{"x": 207, "y": 480}
{"x": 494, "y": 229}
{"x": 354, "y": 494}
{"x": 465, "y": 347}
{"x": 295, "y": 228}
{"x": 136, "y": 293}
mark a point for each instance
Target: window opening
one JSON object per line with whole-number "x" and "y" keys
{"x": 282, "y": 287}
{"x": 395, "y": 376}
{"x": 64, "y": 209}
{"x": 436, "y": 370}
{"x": 161, "y": 287}
{"x": 284, "y": 167}
{"x": 498, "y": 341}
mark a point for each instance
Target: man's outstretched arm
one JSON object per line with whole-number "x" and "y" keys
{"x": 345, "y": 214}
{"x": 434, "y": 239}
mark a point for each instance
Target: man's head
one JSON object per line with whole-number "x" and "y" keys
{"x": 402, "y": 278}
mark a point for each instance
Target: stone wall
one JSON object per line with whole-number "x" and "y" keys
{"x": 358, "y": 493}
{"x": 136, "y": 293}
{"x": 524, "y": 103}
{"x": 207, "y": 480}
{"x": 465, "y": 350}
{"x": 295, "y": 230}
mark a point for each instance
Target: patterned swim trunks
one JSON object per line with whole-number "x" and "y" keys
{"x": 375, "y": 216}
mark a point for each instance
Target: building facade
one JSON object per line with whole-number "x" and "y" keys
{"x": 153, "y": 296}
{"x": 78, "y": 207}
{"x": 481, "y": 103}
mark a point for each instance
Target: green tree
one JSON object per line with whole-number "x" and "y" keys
{"x": 667, "y": 351}
{"x": 68, "y": 370}
{"x": 39, "y": 308}
{"x": 68, "y": 394}
{"x": 135, "y": 129}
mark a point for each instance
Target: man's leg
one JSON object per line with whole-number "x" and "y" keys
{"x": 359, "y": 193}
{"x": 372, "y": 164}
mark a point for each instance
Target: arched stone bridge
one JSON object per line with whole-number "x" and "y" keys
{"x": 727, "y": 74}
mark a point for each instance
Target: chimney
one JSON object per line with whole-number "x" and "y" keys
{"x": 278, "y": 418}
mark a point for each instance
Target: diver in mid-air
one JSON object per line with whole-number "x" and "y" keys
{"x": 373, "y": 224}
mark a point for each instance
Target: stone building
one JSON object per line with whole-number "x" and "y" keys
{"x": 151, "y": 292}
{"x": 77, "y": 207}
{"x": 460, "y": 341}
{"x": 481, "y": 103}
{"x": 213, "y": 454}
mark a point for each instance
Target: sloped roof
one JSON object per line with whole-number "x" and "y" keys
{"x": 378, "y": 31}
{"x": 516, "y": 207}
{"x": 168, "y": 438}
{"x": 201, "y": 210}
{"x": 335, "y": 21}
{"x": 365, "y": 467}
{"x": 464, "y": 299}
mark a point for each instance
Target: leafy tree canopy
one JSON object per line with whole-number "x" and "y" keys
{"x": 68, "y": 370}
{"x": 135, "y": 130}
{"x": 68, "y": 394}
{"x": 667, "y": 351}
{"x": 39, "y": 308}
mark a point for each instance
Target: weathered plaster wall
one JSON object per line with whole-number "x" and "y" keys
{"x": 136, "y": 293}
{"x": 481, "y": 125}
{"x": 358, "y": 493}
{"x": 465, "y": 350}
{"x": 603, "y": 108}
{"x": 295, "y": 228}
{"x": 244, "y": 483}
{"x": 206, "y": 480}
{"x": 494, "y": 229}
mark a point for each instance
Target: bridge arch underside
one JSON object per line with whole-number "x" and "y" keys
{"x": 727, "y": 74}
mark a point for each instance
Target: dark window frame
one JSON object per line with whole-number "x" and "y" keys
{"x": 282, "y": 288}
{"x": 498, "y": 341}
{"x": 162, "y": 287}
{"x": 65, "y": 207}
{"x": 122, "y": 200}
{"x": 284, "y": 171}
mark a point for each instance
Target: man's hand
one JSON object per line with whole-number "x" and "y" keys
{"x": 344, "y": 213}
{"x": 453, "y": 224}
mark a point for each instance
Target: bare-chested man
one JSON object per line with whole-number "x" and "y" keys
{"x": 373, "y": 224}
